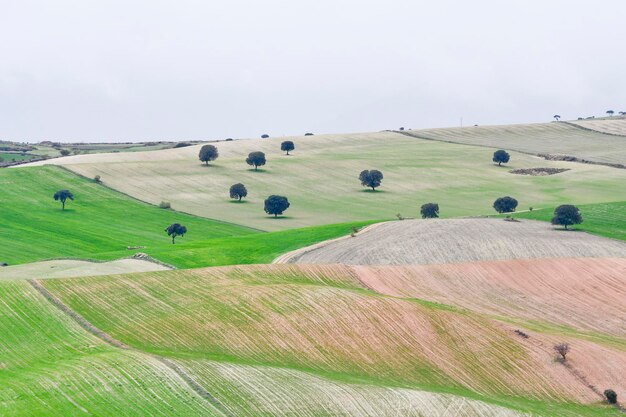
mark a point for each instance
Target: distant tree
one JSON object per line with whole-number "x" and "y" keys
{"x": 611, "y": 396}
{"x": 208, "y": 153}
{"x": 256, "y": 158}
{"x": 556, "y": 117}
{"x": 566, "y": 215}
{"x": 371, "y": 178}
{"x": 501, "y": 156}
{"x": 238, "y": 191}
{"x": 401, "y": 128}
{"x": 610, "y": 113}
{"x": 174, "y": 230}
{"x": 276, "y": 204}
{"x": 430, "y": 211}
{"x": 287, "y": 146}
{"x": 265, "y": 136}
{"x": 64, "y": 152}
{"x": 562, "y": 349}
{"x": 182, "y": 145}
{"x": 62, "y": 196}
{"x": 308, "y": 134}
{"x": 505, "y": 204}
{"x": 622, "y": 113}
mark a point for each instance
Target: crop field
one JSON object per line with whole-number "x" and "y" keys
{"x": 437, "y": 241}
{"x": 541, "y": 138}
{"x": 257, "y": 332}
{"x": 320, "y": 178}
{"x": 613, "y": 126}
{"x": 49, "y": 366}
{"x": 61, "y": 268}
{"x": 105, "y": 225}
{"x": 604, "y": 219}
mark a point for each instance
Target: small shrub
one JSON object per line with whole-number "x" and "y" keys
{"x": 401, "y": 128}
{"x": 354, "y": 231}
{"x": 611, "y": 396}
{"x": 64, "y": 152}
{"x": 265, "y": 136}
{"x": 182, "y": 144}
{"x": 562, "y": 349}
{"x": 308, "y": 134}
{"x": 530, "y": 209}
{"x": 97, "y": 179}
{"x": 165, "y": 205}
{"x": 399, "y": 216}
{"x": 229, "y": 139}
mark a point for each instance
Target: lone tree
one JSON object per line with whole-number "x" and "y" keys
{"x": 62, "y": 196}
{"x": 371, "y": 178}
{"x": 562, "y": 349}
{"x": 611, "y": 396}
{"x": 610, "y": 113}
{"x": 566, "y": 215}
{"x": 556, "y": 117}
{"x": 65, "y": 152}
{"x": 308, "y": 134}
{"x": 265, "y": 136}
{"x": 175, "y": 230}
{"x": 501, "y": 156}
{"x": 208, "y": 153}
{"x": 505, "y": 204}
{"x": 276, "y": 204}
{"x": 238, "y": 191}
{"x": 256, "y": 158}
{"x": 430, "y": 211}
{"x": 287, "y": 146}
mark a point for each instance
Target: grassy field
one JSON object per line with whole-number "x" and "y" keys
{"x": 294, "y": 327}
{"x": 611, "y": 125}
{"x": 605, "y": 219}
{"x": 320, "y": 179}
{"x": 101, "y": 224}
{"x": 541, "y": 138}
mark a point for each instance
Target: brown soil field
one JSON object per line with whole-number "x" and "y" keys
{"x": 438, "y": 241}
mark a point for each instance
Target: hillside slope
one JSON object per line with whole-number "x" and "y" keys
{"x": 320, "y": 178}
{"x": 437, "y": 241}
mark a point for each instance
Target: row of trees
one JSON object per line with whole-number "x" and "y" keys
{"x": 564, "y": 215}
{"x": 210, "y": 153}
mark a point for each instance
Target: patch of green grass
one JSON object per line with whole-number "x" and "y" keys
{"x": 101, "y": 224}
{"x": 603, "y": 219}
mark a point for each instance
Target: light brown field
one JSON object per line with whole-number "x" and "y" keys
{"x": 437, "y": 241}
{"x": 322, "y": 319}
{"x": 64, "y": 268}
{"x": 614, "y": 126}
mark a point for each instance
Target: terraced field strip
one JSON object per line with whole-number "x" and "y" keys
{"x": 611, "y": 126}
{"x": 541, "y": 138}
{"x": 321, "y": 181}
{"x": 320, "y": 319}
{"x": 50, "y": 366}
{"x": 437, "y": 241}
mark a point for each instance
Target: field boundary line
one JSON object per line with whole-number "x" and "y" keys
{"x": 86, "y": 325}
{"x": 546, "y": 156}
{"x": 293, "y": 256}
{"x": 592, "y": 130}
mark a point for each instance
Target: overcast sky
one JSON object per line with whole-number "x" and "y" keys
{"x": 109, "y": 70}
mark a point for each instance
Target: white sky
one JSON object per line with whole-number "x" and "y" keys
{"x": 86, "y": 70}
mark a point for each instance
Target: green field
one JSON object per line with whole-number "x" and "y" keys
{"x": 101, "y": 224}
{"x": 605, "y": 219}
{"x": 320, "y": 179}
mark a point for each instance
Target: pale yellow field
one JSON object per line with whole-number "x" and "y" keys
{"x": 320, "y": 179}
{"x": 63, "y": 268}
{"x": 614, "y": 126}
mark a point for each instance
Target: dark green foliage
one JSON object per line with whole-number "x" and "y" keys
{"x": 371, "y": 178}
{"x": 256, "y": 159}
{"x": 64, "y": 152}
{"x": 287, "y": 146}
{"x": 208, "y": 153}
{"x": 430, "y": 211}
{"x": 611, "y": 396}
{"x": 238, "y": 191}
{"x": 505, "y": 204}
{"x": 265, "y": 136}
{"x": 566, "y": 215}
{"x": 501, "y": 156}
{"x": 174, "y": 230}
{"x": 62, "y": 196}
{"x": 276, "y": 204}
{"x": 182, "y": 144}
{"x": 308, "y": 134}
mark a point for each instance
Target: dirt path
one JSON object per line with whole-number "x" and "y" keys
{"x": 86, "y": 325}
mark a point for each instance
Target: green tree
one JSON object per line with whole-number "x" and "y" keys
{"x": 256, "y": 158}
{"x": 63, "y": 196}
{"x": 238, "y": 191}
{"x": 505, "y": 204}
{"x": 501, "y": 157}
{"x": 174, "y": 230}
{"x": 430, "y": 211}
{"x": 371, "y": 178}
{"x": 287, "y": 146}
{"x": 566, "y": 215}
{"x": 208, "y": 153}
{"x": 64, "y": 152}
{"x": 276, "y": 204}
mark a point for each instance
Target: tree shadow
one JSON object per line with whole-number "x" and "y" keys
{"x": 258, "y": 170}
{"x": 238, "y": 201}
{"x": 369, "y": 190}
